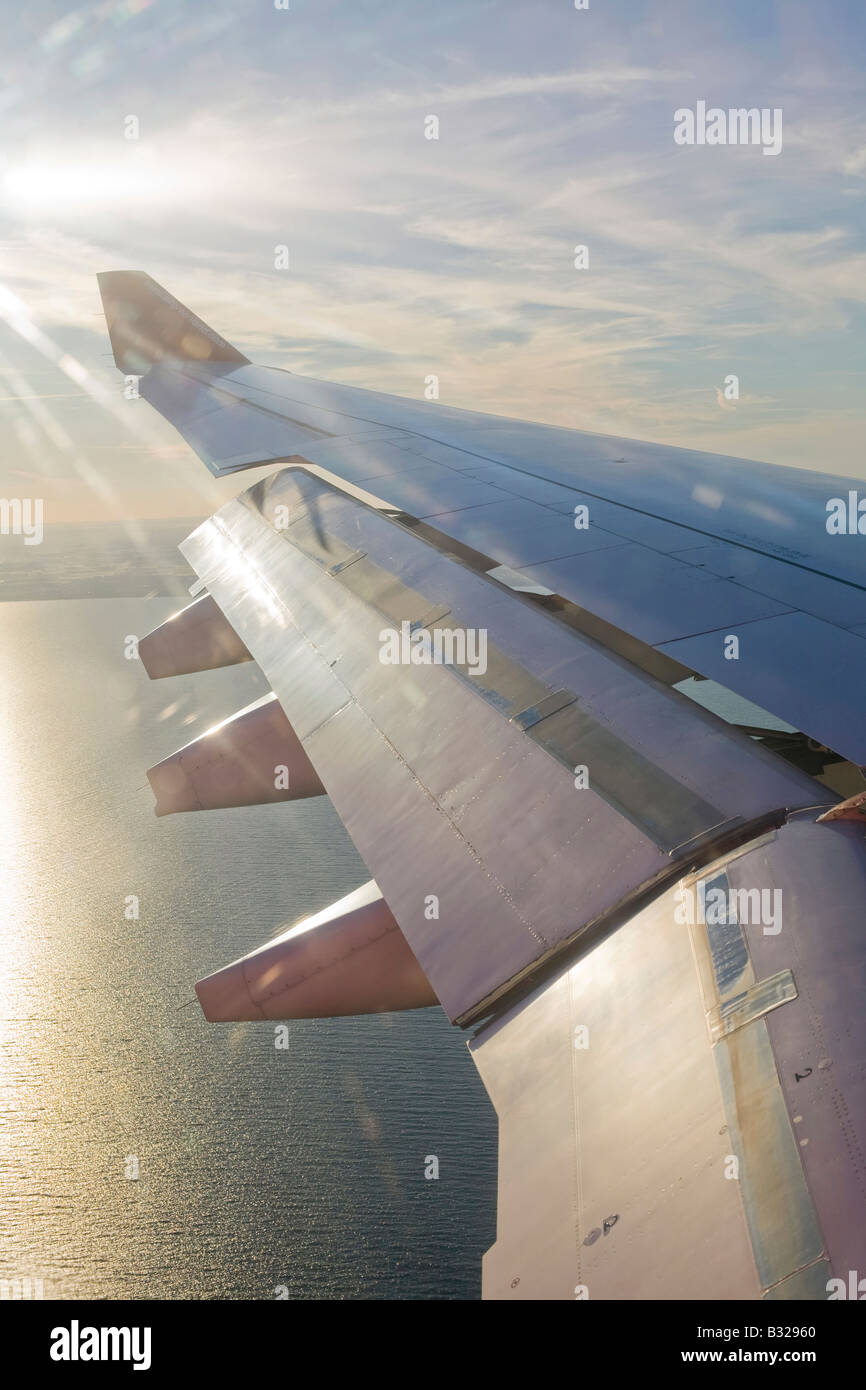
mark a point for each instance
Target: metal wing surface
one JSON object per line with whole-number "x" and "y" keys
{"x": 679, "y": 549}
{"x": 474, "y": 627}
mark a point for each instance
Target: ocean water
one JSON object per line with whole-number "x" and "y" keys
{"x": 259, "y": 1169}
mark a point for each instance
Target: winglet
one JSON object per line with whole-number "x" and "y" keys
{"x": 147, "y": 324}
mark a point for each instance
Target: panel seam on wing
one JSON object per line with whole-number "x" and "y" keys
{"x": 353, "y": 701}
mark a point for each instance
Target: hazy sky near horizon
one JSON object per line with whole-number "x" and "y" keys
{"x": 261, "y": 127}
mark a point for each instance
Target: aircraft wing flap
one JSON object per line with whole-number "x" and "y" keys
{"x": 458, "y": 785}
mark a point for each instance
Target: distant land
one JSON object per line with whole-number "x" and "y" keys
{"x": 111, "y": 559}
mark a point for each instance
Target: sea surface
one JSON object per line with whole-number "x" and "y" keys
{"x": 261, "y": 1171}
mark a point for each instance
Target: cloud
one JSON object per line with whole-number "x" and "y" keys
{"x": 456, "y": 256}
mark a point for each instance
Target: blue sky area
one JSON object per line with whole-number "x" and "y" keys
{"x": 260, "y": 127}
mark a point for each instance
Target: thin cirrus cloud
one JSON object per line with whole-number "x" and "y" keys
{"x": 454, "y": 256}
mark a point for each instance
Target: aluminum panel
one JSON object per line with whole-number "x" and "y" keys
{"x": 225, "y": 436}
{"x": 375, "y": 460}
{"x": 818, "y": 1040}
{"x": 639, "y": 526}
{"x": 796, "y": 664}
{"x": 624, "y": 1043}
{"x": 824, "y": 598}
{"x": 429, "y": 489}
{"x": 652, "y": 596}
{"x": 518, "y": 483}
{"x": 615, "y": 1047}
{"x": 521, "y": 533}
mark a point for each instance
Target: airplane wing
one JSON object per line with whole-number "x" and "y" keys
{"x": 474, "y": 629}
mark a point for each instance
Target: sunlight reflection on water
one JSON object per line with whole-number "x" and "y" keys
{"x": 257, "y": 1167}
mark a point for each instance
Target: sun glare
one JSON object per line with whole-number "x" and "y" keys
{"x": 82, "y": 184}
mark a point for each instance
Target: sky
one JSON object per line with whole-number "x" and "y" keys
{"x": 259, "y": 127}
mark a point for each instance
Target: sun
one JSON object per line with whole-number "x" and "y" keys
{"x": 87, "y": 183}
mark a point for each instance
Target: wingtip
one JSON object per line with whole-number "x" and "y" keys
{"x": 146, "y": 325}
